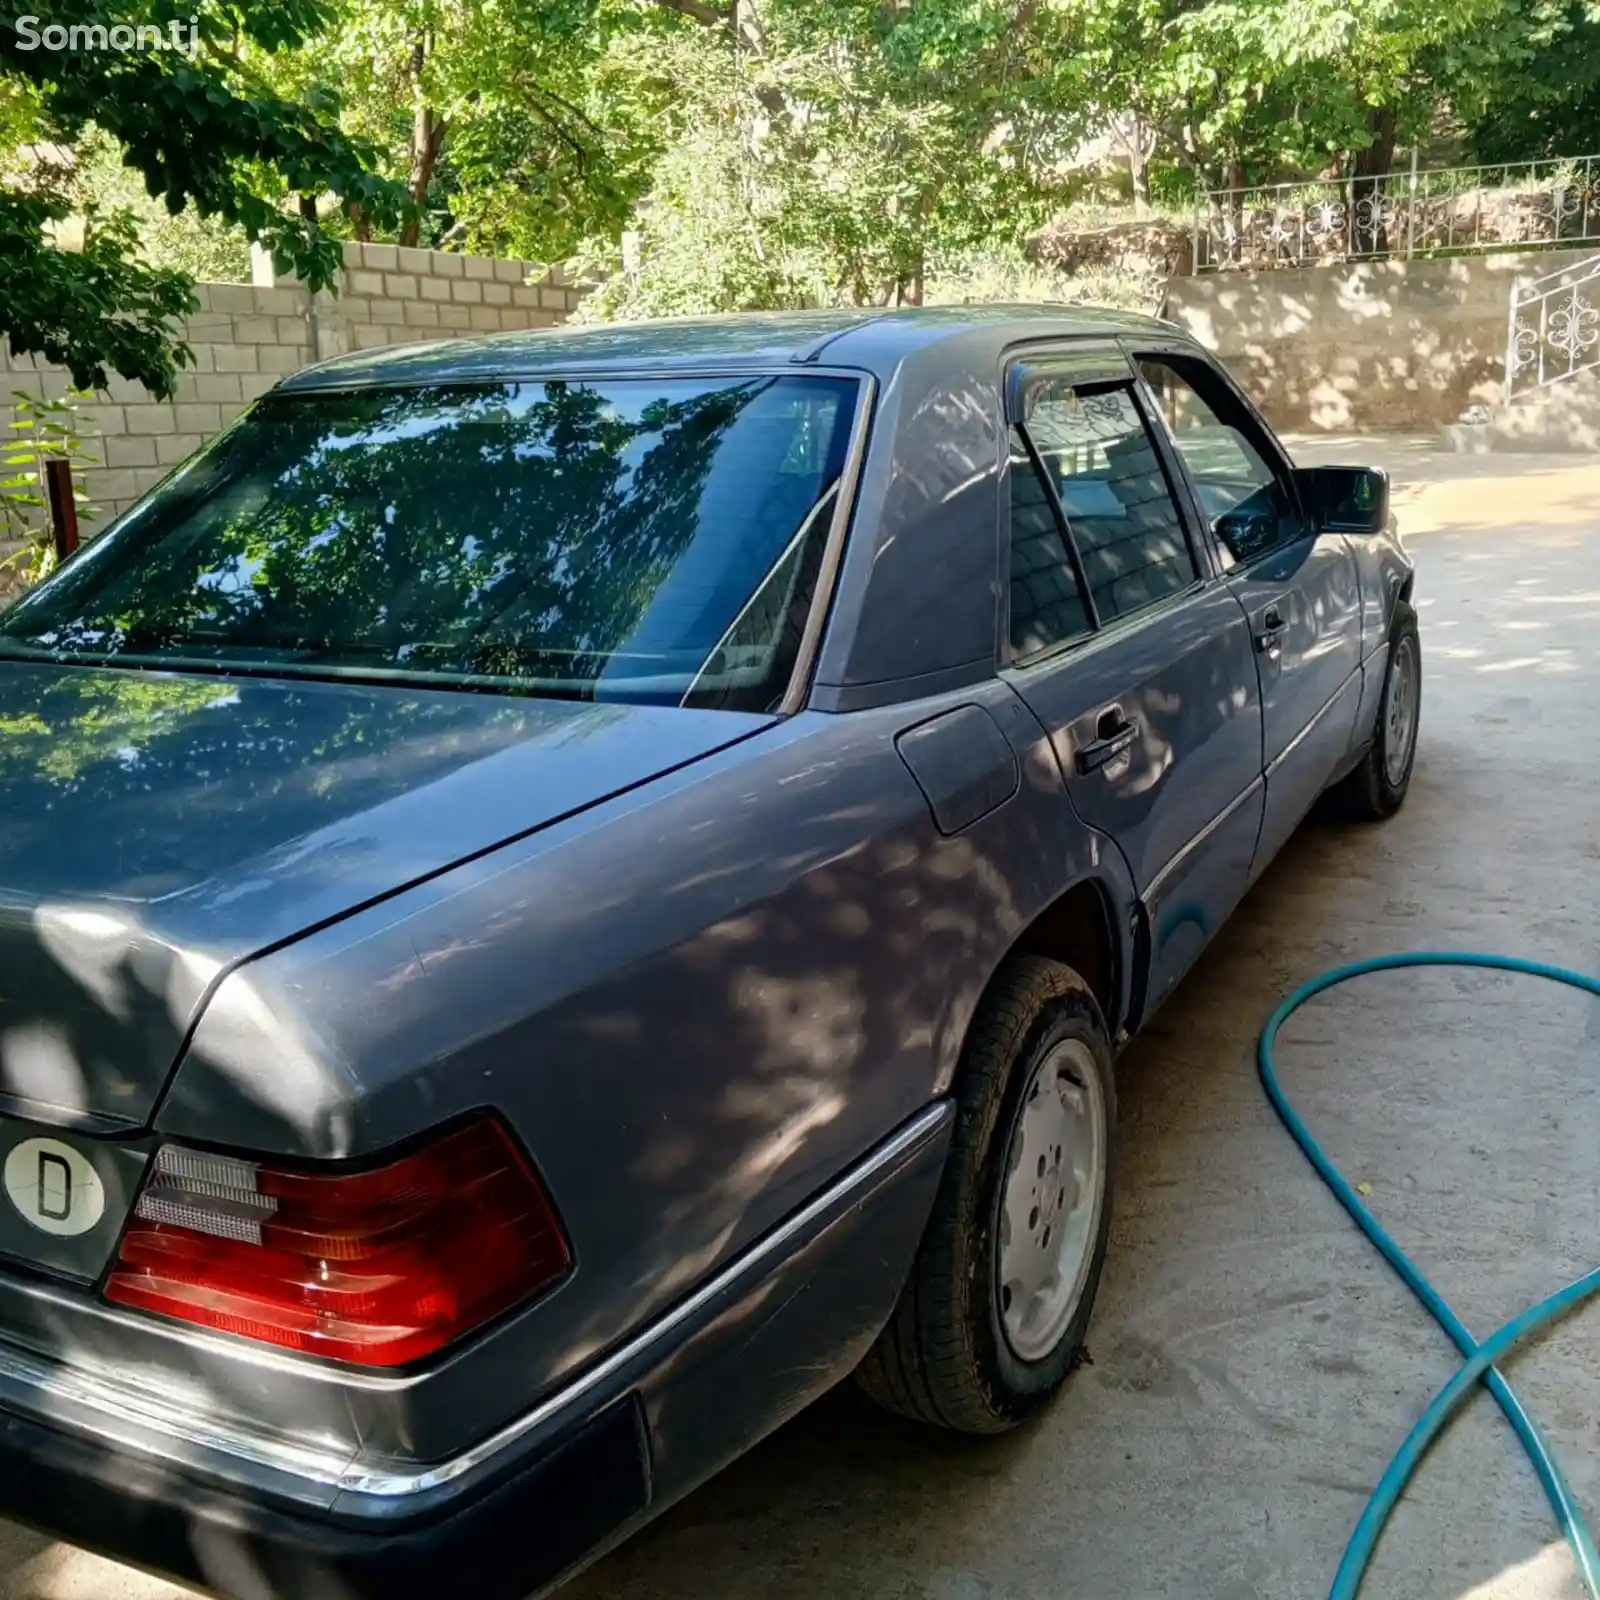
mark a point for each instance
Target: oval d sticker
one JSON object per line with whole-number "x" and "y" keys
{"x": 54, "y": 1187}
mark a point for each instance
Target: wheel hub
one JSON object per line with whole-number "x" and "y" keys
{"x": 1050, "y": 1208}
{"x": 1400, "y": 713}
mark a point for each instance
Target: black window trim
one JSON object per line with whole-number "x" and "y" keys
{"x": 1091, "y": 368}
{"x": 1028, "y": 367}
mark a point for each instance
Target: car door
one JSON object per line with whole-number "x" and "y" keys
{"x": 1130, "y": 648}
{"x": 1298, "y": 583}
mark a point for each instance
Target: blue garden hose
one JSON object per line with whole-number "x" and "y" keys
{"x": 1480, "y": 1358}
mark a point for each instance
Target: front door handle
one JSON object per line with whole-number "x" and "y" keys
{"x": 1113, "y": 734}
{"x": 1270, "y": 640}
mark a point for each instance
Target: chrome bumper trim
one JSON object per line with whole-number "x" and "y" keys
{"x": 159, "y": 1421}
{"x": 155, "y": 1419}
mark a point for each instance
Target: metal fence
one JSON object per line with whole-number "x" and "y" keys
{"x": 1432, "y": 211}
{"x": 1555, "y": 328}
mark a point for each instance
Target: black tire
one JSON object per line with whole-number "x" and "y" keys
{"x": 1368, "y": 794}
{"x": 944, "y": 1357}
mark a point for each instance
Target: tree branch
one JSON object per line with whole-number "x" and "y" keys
{"x": 577, "y": 113}
{"x": 561, "y": 132}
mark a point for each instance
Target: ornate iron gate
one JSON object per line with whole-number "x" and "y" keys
{"x": 1554, "y": 331}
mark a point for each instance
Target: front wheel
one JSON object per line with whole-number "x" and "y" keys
{"x": 1377, "y": 788}
{"x": 994, "y": 1314}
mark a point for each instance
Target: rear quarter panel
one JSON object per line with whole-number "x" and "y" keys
{"x": 696, "y": 1004}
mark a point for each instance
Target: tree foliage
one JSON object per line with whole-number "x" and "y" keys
{"x": 204, "y": 248}
{"x": 1535, "y": 90}
{"x": 506, "y": 120}
{"x": 829, "y": 150}
{"x": 40, "y": 430}
{"x": 711, "y": 154}
{"x": 205, "y": 132}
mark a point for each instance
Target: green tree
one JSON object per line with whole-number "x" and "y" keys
{"x": 1260, "y": 91}
{"x": 508, "y": 121}
{"x": 1535, "y": 90}
{"x": 204, "y": 132}
{"x": 825, "y": 151}
{"x": 40, "y": 430}
{"x": 205, "y": 248}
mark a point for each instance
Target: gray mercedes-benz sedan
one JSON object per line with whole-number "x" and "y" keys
{"x": 560, "y": 893}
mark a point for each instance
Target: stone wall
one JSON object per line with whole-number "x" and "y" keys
{"x": 1405, "y": 346}
{"x": 247, "y": 336}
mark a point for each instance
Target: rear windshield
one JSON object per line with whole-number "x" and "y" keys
{"x": 648, "y": 540}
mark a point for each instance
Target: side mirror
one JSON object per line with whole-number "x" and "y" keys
{"x": 1345, "y": 499}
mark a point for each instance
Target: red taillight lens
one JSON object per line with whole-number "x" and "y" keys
{"x": 380, "y": 1267}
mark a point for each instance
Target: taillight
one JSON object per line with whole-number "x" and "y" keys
{"x": 379, "y": 1267}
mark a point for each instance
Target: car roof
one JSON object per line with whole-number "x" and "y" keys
{"x": 862, "y": 337}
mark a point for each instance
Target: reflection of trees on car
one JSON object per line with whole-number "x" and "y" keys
{"x": 519, "y": 531}
{"x": 109, "y": 738}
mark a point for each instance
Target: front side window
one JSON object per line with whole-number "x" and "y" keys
{"x": 1114, "y": 494}
{"x": 653, "y": 540}
{"x": 1249, "y": 509}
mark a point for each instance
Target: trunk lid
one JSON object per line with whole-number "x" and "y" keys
{"x": 156, "y": 828}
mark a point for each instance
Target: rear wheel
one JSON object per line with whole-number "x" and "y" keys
{"x": 1377, "y": 788}
{"x": 994, "y": 1314}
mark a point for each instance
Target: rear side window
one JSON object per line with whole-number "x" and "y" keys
{"x": 1113, "y": 493}
{"x": 1047, "y": 605}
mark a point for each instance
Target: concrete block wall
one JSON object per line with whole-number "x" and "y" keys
{"x": 391, "y": 295}
{"x": 247, "y": 336}
{"x": 1402, "y": 346}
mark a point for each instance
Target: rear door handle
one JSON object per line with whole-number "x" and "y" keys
{"x": 1270, "y": 640}
{"x": 1114, "y": 733}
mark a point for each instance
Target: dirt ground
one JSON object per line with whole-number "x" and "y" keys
{"x": 1254, "y": 1363}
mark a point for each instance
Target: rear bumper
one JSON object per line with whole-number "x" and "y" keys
{"x": 513, "y": 1537}
{"x": 560, "y": 1483}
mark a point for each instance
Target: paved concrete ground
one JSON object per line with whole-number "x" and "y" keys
{"x": 1253, "y": 1364}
